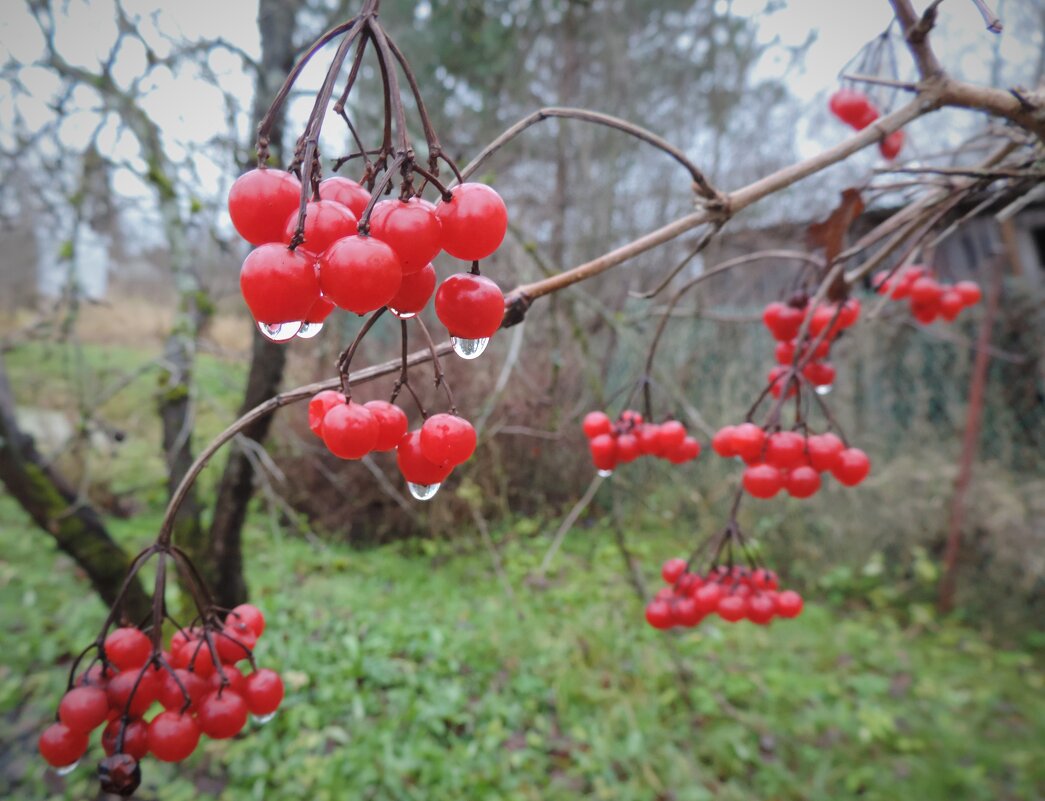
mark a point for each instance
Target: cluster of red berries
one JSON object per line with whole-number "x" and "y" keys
{"x": 734, "y": 594}
{"x": 290, "y": 292}
{"x": 787, "y": 460}
{"x": 425, "y": 456}
{"x": 784, "y": 321}
{"x": 630, "y": 437}
{"x": 197, "y": 683}
{"x": 929, "y": 298}
{"x": 856, "y": 110}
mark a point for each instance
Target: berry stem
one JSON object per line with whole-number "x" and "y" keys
{"x": 344, "y": 361}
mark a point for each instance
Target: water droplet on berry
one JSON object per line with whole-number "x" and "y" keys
{"x": 309, "y": 330}
{"x": 469, "y": 348}
{"x": 261, "y": 720}
{"x": 605, "y": 473}
{"x": 65, "y": 770}
{"x": 423, "y": 492}
{"x": 824, "y": 389}
{"x": 402, "y": 315}
{"x": 280, "y": 332}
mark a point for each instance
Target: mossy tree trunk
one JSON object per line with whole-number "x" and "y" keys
{"x": 76, "y": 526}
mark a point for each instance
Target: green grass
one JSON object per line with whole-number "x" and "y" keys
{"x": 411, "y": 675}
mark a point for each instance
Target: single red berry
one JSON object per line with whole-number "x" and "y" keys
{"x": 707, "y": 597}
{"x": 349, "y": 431}
{"x": 926, "y": 291}
{"x": 672, "y": 570}
{"x": 802, "y": 482}
{"x": 658, "y": 615}
{"x": 321, "y": 403}
{"x": 223, "y": 713}
{"x": 470, "y": 306}
{"x": 279, "y": 285}
{"x": 825, "y": 317}
{"x": 172, "y": 695}
{"x": 762, "y": 579}
{"x": 263, "y": 692}
{"x": 360, "y": 273}
{"x": 411, "y": 228}
{"x": 670, "y": 434}
{"x": 414, "y": 293}
{"x": 346, "y": 192}
{"x": 785, "y": 449}
{"x": 732, "y": 607}
{"x": 849, "y": 314}
{"x": 84, "y": 709}
{"x": 748, "y": 440}
{"x": 259, "y": 202}
{"x": 722, "y": 443}
{"x": 684, "y": 612}
{"x": 685, "y": 451}
{"x": 969, "y": 291}
{"x": 326, "y": 221}
{"x": 852, "y": 467}
{"x": 135, "y": 738}
{"x": 783, "y": 321}
{"x": 196, "y": 656}
{"x": 823, "y": 450}
{"x": 320, "y": 311}
{"x": 632, "y": 417}
{"x": 415, "y": 466}
{"x": 234, "y": 644}
{"x": 648, "y": 436}
{"x": 447, "y": 439}
{"x": 127, "y": 648}
{"x": 819, "y": 374}
{"x": 392, "y": 423}
{"x": 925, "y": 313}
{"x": 61, "y": 746}
{"x": 687, "y": 584}
{"x": 474, "y": 222}
{"x": 788, "y": 603}
{"x": 951, "y": 304}
{"x": 891, "y": 146}
{"x": 849, "y": 105}
{"x": 762, "y": 480}
{"x": 596, "y": 423}
{"x": 627, "y": 448}
{"x": 868, "y": 115}
{"x": 760, "y": 609}
{"x": 603, "y": 451}
{"x": 123, "y": 684}
{"x": 249, "y": 615}
{"x": 173, "y": 736}
{"x": 234, "y": 680}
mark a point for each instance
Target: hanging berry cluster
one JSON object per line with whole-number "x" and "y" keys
{"x": 785, "y": 320}
{"x": 929, "y": 298}
{"x": 150, "y": 700}
{"x": 612, "y": 443}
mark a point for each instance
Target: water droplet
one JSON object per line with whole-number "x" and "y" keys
{"x": 65, "y": 770}
{"x": 824, "y": 389}
{"x": 469, "y": 348}
{"x": 261, "y": 720}
{"x": 423, "y": 492}
{"x": 280, "y": 332}
{"x": 309, "y": 330}
{"x": 402, "y": 315}
{"x": 605, "y": 473}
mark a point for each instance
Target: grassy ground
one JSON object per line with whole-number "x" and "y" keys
{"x": 411, "y": 675}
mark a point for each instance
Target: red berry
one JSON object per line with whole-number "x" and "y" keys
{"x": 83, "y": 709}
{"x": 260, "y": 201}
{"x": 415, "y": 467}
{"x": 603, "y": 451}
{"x": 850, "y": 106}
{"x": 346, "y": 192}
{"x": 819, "y": 374}
{"x": 748, "y": 440}
{"x": 785, "y": 449}
{"x": 760, "y": 609}
{"x": 263, "y": 692}
{"x": 171, "y": 695}
{"x": 868, "y": 115}
{"x": 670, "y": 435}
{"x": 969, "y": 291}
{"x": 391, "y": 423}
{"x": 61, "y": 746}
{"x": 123, "y": 684}
{"x": 685, "y": 451}
{"x": 127, "y": 648}
{"x": 234, "y": 680}
{"x": 447, "y": 439}
{"x": 410, "y": 228}
{"x": 951, "y": 304}
{"x": 326, "y": 221}
{"x": 321, "y": 403}
{"x": 648, "y": 436}
{"x": 234, "y": 644}
{"x": 320, "y": 311}
{"x": 135, "y": 738}
{"x": 596, "y": 423}
{"x": 360, "y": 273}
{"x": 279, "y": 285}
{"x": 470, "y": 306}
{"x": 672, "y": 570}
{"x": 474, "y": 222}
{"x": 349, "y": 431}
{"x": 684, "y": 612}
{"x": 732, "y": 607}
{"x": 707, "y": 597}
{"x": 249, "y": 615}
{"x": 788, "y": 603}
{"x": 762, "y": 480}
{"x": 223, "y": 713}
{"x": 173, "y": 736}
{"x": 627, "y": 448}
{"x": 926, "y": 291}
{"x": 779, "y": 377}
{"x": 823, "y": 450}
{"x": 802, "y": 482}
{"x": 414, "y": 293}
{"x": 658, "y": 615}
{"x": 852, "y": 467}
{"x": 783, "y": 321}
{"x": 891, "y": 146}
{"x": 722, "y": 443}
